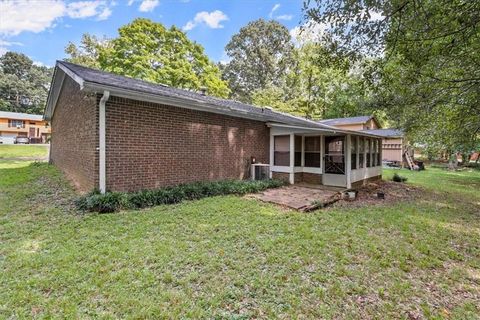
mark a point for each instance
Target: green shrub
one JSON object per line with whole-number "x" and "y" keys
{"x": 397, "y": 178}
{"x": 114, "y": 201}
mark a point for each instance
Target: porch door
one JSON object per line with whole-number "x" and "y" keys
{"x": 334, "y": 162}
{"x": 31, "y": 132}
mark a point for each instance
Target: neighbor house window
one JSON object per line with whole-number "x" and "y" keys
{"x": 361, "y": 152}
{"x": 16, "y": 123}
{"x": 353, "y": 152}
{"x": 298, "y": 151}
{"x": 368, "y": 151}
{"x": 281, "y": 151}
{"x": 312, "y": 152}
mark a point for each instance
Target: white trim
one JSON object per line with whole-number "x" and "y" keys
{"x": 102, "y": 142}
{"x": 72, "y": 75}
{"x": 284, "y": 169}
{"x": 272, "y": 154}
{"x": 348, "y": 160}
{"x": 291, "y": 178}
{"x": 312, "y": 170}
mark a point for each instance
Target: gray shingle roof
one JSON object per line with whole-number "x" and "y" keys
{"x": 349, "y": 120}
{"x": 93, "y": 76}
{"x": 20, "y": 116}
{"x": 392, "y": 133}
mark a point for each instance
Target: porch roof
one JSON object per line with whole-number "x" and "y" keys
{"x": 324, "y": 130}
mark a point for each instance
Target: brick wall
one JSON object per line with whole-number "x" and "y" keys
{"x": 281, "y": 176}
{"x": 151, "y": 145}
{"x": 75, "y": 136}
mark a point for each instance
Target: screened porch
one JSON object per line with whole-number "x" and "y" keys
{"x": 330, "y": 157}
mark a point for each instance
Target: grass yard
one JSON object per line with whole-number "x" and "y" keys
{"x": 23, "y": 151}
{"x": 235, "y": 258}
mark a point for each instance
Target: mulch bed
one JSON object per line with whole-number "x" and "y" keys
{"x": 367, "y": 194}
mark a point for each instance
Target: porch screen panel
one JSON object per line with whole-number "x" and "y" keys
{"x": 368, "y": 151}
{"x": 281, "y": 151}
{"x": 379, "y": 153}
{"x": 312, "y": 152}
{"x": 361, "y": 152}
{"x": 334, "y": 155}
{"x": 374, "y": 152}
{"x": 298, "y": 151}
{"x": 353, "y": 152}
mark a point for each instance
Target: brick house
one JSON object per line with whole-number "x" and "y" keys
{"x": 394, "y": 143}
{"x": 14, "y": 124}
{"x": 130, "y": 135}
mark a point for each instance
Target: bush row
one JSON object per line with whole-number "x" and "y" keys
{"x": 114, "y": 201}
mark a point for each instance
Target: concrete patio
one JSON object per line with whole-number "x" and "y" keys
{"x": 302, "y": 197}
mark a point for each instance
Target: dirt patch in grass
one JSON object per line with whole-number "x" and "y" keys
{"x": 367, "y": 195}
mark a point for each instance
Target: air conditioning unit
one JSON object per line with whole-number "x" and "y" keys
{"x": 260, "y": 171}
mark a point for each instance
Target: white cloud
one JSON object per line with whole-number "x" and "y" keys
{"x": 36, "y": 16}
{"x": 287, "y": 17}
{"x": 148, "y": 5}
{"x": 130, "y": 2}
{"x": 105, "y": 14}
{"x": 212, "y": 20}
{"x": 309, "y": 32}
{"x": 279, "y": 17}
{"x": 275, "y": 8}
{"x": 5, "y": 44}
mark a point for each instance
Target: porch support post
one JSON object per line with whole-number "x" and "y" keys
{"x": 303, "y": 152}
{"x": 102, "y": 142}
{"x": 272, "y": 145}
{"x": 348, "y": 160}
{"x": 291, "y": 177}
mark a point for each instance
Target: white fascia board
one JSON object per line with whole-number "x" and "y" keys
{"x": 54, "y": 93}
{"x": 72, "y": 75}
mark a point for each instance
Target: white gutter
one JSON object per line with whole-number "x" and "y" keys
{"x": 102, "y": 152}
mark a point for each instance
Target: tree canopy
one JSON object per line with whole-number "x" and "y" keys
{"x": 259, "y": 57}
{"x": 426, "y": 73}
{"x": 147, "y": 50}
{"x": 23, "y": 85}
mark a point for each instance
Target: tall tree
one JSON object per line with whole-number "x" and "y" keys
{"x": 147, "y": 50}
{"x": 428, "y": 72}
{"x": 23, "y": 85}
{"x": 316, "y": 85}
{"x": 87, "y": 53}
{"x": 260, "y": 54}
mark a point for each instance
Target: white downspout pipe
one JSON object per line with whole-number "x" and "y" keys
{"x": 102, "y": 152}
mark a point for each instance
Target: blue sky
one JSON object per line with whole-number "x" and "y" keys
{"x": 41, "y": 29}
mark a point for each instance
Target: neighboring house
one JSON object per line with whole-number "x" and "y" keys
{"x": 394, "y": 144}
{"x": 13, "y": 125}
{"x": 131, "y": 135}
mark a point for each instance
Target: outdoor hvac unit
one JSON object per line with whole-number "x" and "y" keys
{"x": 260, "y": 171}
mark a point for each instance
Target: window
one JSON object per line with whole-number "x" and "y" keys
{"x": 312, "y": 152}
{"x": 16, "y": 123}
{"x": 353, "y": 152}
{"x": 298, "y": 151}
{"x": 368, "y": 150}
{"x": 281, "y": 151}
{"x": 361, "y": 152}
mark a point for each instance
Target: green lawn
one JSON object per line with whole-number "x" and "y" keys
{"x": 233, "y": 258}
{"x": 23, "y": 150}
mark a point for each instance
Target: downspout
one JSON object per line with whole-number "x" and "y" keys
{"x": 102, "y": 152}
